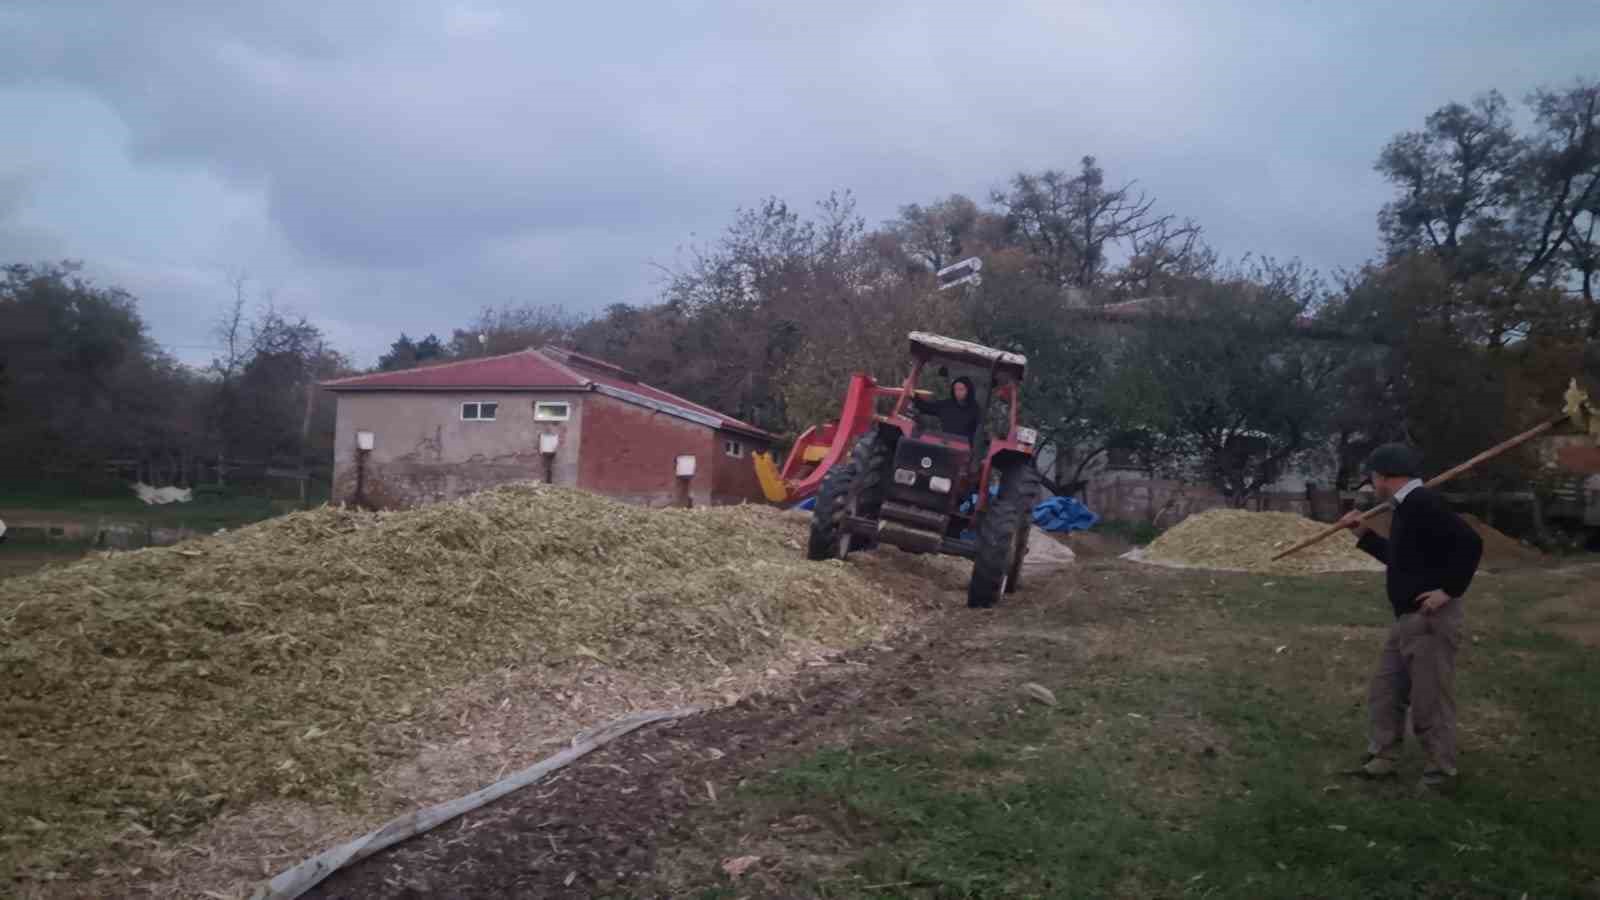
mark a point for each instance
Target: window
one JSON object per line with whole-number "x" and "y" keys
{"x": 552, "y": 411}
{"x": 479, "y": 412}
{"x": 733, "y": 448}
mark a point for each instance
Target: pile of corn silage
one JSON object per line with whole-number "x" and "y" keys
{"x": 152, "y": 689}
{"x": 1243, "y": 541}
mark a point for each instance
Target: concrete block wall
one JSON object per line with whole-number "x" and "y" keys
{"x": 425, "y": 452}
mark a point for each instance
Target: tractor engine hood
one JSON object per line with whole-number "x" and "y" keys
{"x": 926, "y": 474}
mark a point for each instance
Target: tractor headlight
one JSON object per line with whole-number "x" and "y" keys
{"x": 1027, "y": 436}
{"x": 905, "y": 476}
{"x": 939, "y": 484}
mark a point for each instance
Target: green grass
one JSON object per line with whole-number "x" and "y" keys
{"x": 1053, "y": 825}
{"x": 1155, "y": 778}
{"x": 1134, "y": 532}
{"x": 206, "y": 512}
{"x": 19, "y": 557}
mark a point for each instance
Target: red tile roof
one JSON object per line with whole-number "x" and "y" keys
{"x": 533, "y": 370}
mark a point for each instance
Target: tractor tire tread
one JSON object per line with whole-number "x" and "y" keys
{"x": 827, "y": 517}
{"x": 997, "y": 534}
{"x": 870, "y": 459}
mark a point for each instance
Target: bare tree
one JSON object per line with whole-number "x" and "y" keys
{"x": 512, "y": 328}
{"x": 232, "y": 331}
{"x": 1163, "y": 257}
{"x": 1561, "y": 190}
{"x": 1072, "y": 223}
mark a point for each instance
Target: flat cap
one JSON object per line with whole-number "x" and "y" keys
{"x": 1395, "y": 460}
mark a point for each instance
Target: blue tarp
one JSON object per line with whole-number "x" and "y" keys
{"x": 1064, "y": 514}
{"x": 808, "y": 503}
{"x": 972, "y": 499}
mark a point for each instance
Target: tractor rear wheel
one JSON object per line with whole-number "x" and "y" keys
{"x": 1003, "y": 534}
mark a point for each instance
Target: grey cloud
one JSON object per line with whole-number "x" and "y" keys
{"x": 414, "y": 159}
{"x": 20, "y": 242}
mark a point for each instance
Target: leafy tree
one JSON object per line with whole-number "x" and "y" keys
{"x": 408, "y": 354}
{"x": 1235, "y": 391}
{"x": 1487, "y": 295}
{"x": 1489, "y": 202}
{"x": 1560, "y": 201}
{"x": 1434, "y": 371}
{"x": 941, "y": 233}
{"x": 1454, "y": 180}
{"x": 67, "y": 343}
{"x": 743, "y": 307}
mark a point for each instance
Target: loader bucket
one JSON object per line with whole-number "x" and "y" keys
{"x": 771, "y": 482}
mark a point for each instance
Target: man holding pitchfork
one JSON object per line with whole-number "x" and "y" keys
{"x": 1431, "y": 555}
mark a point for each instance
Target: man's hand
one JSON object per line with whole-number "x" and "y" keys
{"x": 1432, "y": 602}
{"x": 1352, "y": 521}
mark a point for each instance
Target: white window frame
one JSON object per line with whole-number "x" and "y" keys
{"x": 541, "y": 415}
{"x": 477, "y": 410}
{"x": 733, "y": 448}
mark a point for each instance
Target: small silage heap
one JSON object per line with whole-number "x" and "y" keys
{"x": 1237, "y": 540}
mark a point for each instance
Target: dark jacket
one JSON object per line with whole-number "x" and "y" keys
{"x": 954, "y": 417}
{"x": 1429, "y": 548}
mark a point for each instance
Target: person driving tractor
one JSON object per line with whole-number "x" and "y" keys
{"x": 958, "y": 414}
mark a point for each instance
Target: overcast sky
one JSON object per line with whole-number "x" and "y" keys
{"x": 388, "y": 165}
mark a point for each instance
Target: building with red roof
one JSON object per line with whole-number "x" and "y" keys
{"x": 433, "y": 433}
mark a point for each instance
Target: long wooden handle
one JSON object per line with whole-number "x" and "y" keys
{"x": 1332, "y": 530}
{"x": 1435, "y": 481}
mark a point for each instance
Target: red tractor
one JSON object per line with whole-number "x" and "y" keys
{"x": 909, "y": 483}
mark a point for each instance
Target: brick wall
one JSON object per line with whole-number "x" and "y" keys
{"x": 630, "y": 452}
{"x": 734, "y": 477}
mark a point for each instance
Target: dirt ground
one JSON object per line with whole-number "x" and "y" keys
{"x": 594, "y": 829}
{"x": 1094, "y": 545}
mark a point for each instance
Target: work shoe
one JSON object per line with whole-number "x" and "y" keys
{"x": 1437, "y": 781}
{"x": 1373, "y": 766}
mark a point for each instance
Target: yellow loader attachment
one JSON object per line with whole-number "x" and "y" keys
{"x": 771, "y": 482}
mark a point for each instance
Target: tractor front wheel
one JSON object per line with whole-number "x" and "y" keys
{"x": 827, "y": 517}
{"x": 1003, "y": 534}
{"x": 853, "y": 488}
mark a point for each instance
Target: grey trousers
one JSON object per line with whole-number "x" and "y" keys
{"x": 1417, "y": 670}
